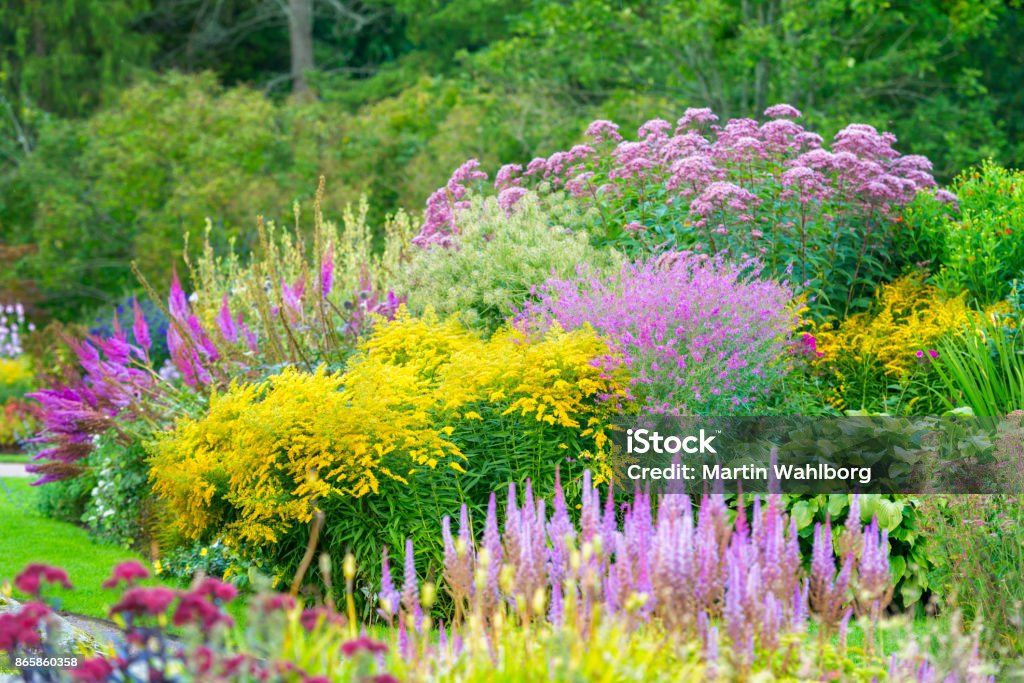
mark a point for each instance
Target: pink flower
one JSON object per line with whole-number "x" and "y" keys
{"x": 142, "y": 601}
{"x": 363, "y": 644}
{"x": 654, "y": 130}
{"x": 21, "y": 628}
{"x": 140, "y": 330}
{"x": 94, "y": 670}
{"x": 695, "y": 116}
{"x": 195, "y": 609}
{"x": 128, "y": 572}
{"x": 509, "y": 197}
{"x": 506, "y": 176}
{"x": 226, "y": 323}
{"x": 30, "y": 580}
{"x": 601, "y": 130}
{"x": 280, "y": 602}
{"x": 782, "y": 111}
{"x": 327, "y": 271}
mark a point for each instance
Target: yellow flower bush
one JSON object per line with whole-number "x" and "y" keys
{"x": 892, "y": 345}
{"x": 266, "y": 455}
{"x": 908, "y": 316}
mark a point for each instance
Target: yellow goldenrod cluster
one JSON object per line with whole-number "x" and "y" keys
{"x": 908, "y": 317}
{"x": 265, "y": 453}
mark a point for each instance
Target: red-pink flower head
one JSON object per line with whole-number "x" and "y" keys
{"x": 30, "y": 580}
{"x": 127, "y": 572}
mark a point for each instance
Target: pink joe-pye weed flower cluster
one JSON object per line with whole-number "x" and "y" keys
{"x": 700, "y": 334}
{"x": 743, "y": 188}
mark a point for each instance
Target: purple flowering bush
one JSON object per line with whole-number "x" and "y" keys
{"x": 673, "y": 588}
{"x": 746, "y": 188}
{"x": 701, "y": 335}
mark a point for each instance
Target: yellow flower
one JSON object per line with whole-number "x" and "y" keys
{"x": 257, "y": 462}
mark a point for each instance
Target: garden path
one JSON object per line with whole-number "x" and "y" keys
{"x": 13, "y": 470}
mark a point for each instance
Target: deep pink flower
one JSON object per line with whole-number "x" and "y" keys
{"x": 140, "y": 329}
{"x": 194, "y": 608}
{"x": 144, "y": 601}
{"x": 327, "y": 271}
{"x": 601, "y": 130}
{"x": 128, "y": 572}
{"x": 93, "y": 670}
{"x": 217, "y": 590}
{"x": 31, "y": 579}
{"x": 363, "y": 644}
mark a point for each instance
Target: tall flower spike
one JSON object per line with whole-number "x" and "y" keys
{"x": 410, "y": 587}
{"x": 140, "y": 329}
{"x": 389, "y": 597}
{"x": 176, "y": 301}
{"x": 228, "y": 326}
{"x": 327, "y": 271}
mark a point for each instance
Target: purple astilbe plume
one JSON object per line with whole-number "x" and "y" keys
{"x": 411, "y": 588}
{"x": 828, "y": 591}
{"x": 492, "y": 544}
{"x": 389, "y": 598}
{"x": 140, "y": 329}
{"x": 291, "y": 298}
{"x": 874, "y": 585}
{"x": 327, "y": 271}
{"x": 459, "y": 559}
{"x": 177, "y": 302}
{"x": 562, "y": 532}
{"x": 228, "y": 326}
{"x": 736, "y": 589}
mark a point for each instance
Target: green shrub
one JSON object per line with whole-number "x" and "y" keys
{"x": 498, "y": 258}
{"x": 978, "y": 550}
{"x": 978, "y": 248}
{"x": 985, "y": 370}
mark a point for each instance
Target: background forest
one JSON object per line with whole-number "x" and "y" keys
{"x": 124, "y": 123}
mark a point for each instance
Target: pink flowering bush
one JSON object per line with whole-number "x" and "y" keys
{"x": 746, "y": 188}
{"x": 701, "y": 335}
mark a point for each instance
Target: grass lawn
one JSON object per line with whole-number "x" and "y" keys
{"x": 26, "y": 536}
{"x": 14, "y": 457}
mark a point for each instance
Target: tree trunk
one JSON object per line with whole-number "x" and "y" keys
{"x": 300, "y": 35}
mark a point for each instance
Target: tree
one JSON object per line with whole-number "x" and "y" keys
{"x": 63, "y": 56}
{"x": 256, "y": 38}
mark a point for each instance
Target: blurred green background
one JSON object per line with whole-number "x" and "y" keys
{"x": 124, "y": 123}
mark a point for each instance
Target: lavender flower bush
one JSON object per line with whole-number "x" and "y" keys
{"x": 700, "y": 334}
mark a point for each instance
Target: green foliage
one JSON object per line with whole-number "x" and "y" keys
{"x": 125, "y": 184}
{"x": 62, "y": 56}
{"x": 116, "y": 509}
{"x": 915, "y": 65}
{"x": 985, "y": 369}
{"x": 911, "y": 558}
{"x": 978, "y": 551}
{"x": 498, "y": 258}
{"x": 977, "y": 249}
